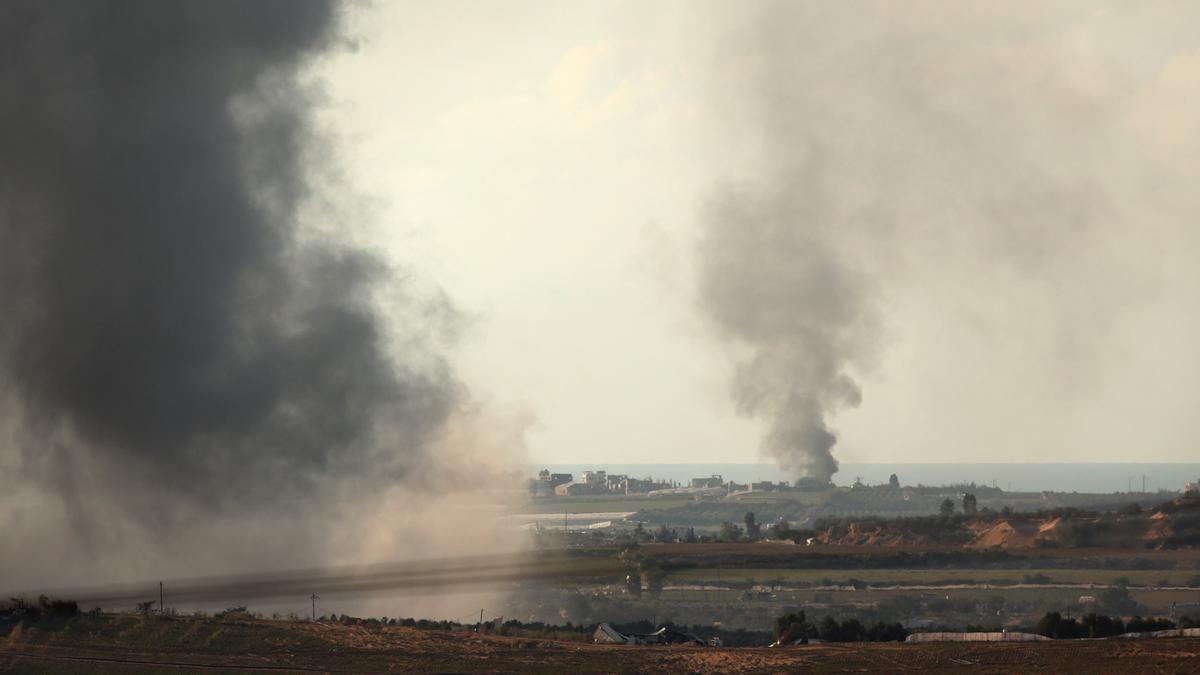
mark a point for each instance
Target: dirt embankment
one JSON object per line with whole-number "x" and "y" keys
{"x": 873, "y": 534}
{"x": 122, "y": 644}
{"x": 1175, "y": 525}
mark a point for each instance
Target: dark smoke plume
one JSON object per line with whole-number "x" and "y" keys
{"x": 773, "y": 285}
{"x": 169, "y": 326}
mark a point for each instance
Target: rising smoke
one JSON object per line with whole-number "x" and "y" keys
{"x": 970, "y": 161}
{"x": 180, "y": 345}
{"x": 773, "y": 282}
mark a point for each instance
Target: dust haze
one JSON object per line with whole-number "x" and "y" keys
{"x": 915, "y": 232}
{"x": 198, "y": 374}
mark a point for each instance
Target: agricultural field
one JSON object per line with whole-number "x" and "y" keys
{"x": 939, "y": 576}
{"x": 745, "y": 585}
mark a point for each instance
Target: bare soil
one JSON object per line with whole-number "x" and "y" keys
{"x": 279, "y": 646}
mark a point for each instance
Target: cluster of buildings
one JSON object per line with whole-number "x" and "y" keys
{"x": 592, "y": 483}
{"x": 715, "y": 482}
{"x": 549, "y": 484}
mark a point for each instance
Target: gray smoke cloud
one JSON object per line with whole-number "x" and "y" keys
{"x": 772, "y": 282}
{"x": 175, "y": 340}
{"x": 1016, "y": 174}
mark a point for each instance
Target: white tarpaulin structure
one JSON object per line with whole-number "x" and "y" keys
{"x": 1170, "y": 632}
{"x": 606, "y": 634}
{"x": 975, "y": 637}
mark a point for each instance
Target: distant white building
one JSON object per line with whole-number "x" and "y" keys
{"x": 1191, "y": 487}
{"x": 595, "y": 479}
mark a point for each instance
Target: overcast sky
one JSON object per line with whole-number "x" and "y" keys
{"x": 1015, "y": 187}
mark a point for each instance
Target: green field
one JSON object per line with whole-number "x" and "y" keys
{"x": 930, "y": 576}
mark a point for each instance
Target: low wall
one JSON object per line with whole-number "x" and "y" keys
{"x": 1170, "y": 632}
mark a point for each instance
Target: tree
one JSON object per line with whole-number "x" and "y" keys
{"x": 691, "y": 536}
{"x": 1118, "y": 600}
{"x": 753, "y": 529}
{"x": 947, "y": 508}
{"x": 887, "y": 632}
{"x": 1048, "y": 624}
{"x": 1139, "y": 625}
{"x": 1053, "y": 625}
{"x": 830, "y": 630}
{"x": 665, "y": 534}
{"x": 633, "y": 583}
{"x": 894, "y": 481}
{"x": 58, "y": 609}
{"x": 1100, "y": 625}
{"x": 791, "y": 627}
{"x": 1131, "y": 509}
{"x": 730, "y": 532}
{"x": 781, "y": 529}
{"x": 969, "y": 504}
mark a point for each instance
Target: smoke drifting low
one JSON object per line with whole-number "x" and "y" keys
{"x": 178, "y": 347}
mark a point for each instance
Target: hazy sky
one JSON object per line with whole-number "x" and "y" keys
{"x": 1013, "y": 186}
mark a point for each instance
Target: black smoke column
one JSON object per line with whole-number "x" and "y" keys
{"x": 168, "y": 327}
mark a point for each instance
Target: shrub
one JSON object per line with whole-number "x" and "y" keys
{"x": 58, "y": 609}
{"x": 1139, "y": 625}
{"x": 791, "y": 627}
{"x": 1053, "y": 625}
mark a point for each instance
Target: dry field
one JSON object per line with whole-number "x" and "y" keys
{"x": 131, "y": 645}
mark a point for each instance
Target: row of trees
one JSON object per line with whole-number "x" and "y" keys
{"x": 970, "y": 506}
{"x": 45, "y": 608}
{"x": 1054, "y": 625}
{"x": 795, "y": 627}
{"x": 754, "y": 530}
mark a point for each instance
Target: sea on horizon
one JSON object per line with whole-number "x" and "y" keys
{"x": 1025, "y": 477}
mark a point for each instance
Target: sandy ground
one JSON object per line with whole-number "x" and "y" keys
{"x": 270, "y": 646}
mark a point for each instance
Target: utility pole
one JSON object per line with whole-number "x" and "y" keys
{"x": 479, "y": 626}
{"x": 314, "y": 597}
{"x": 160, "y": 598}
